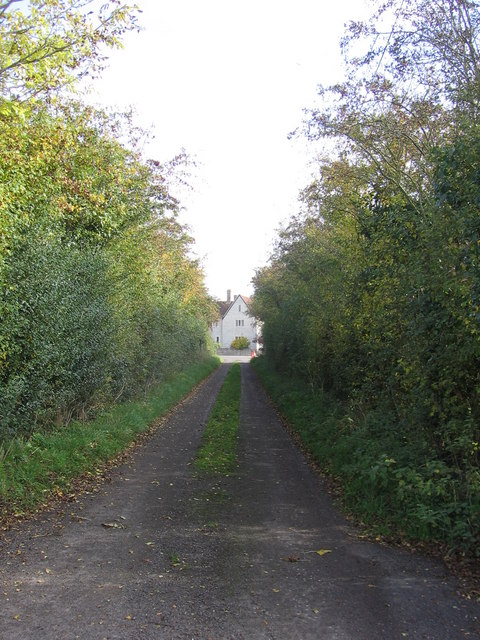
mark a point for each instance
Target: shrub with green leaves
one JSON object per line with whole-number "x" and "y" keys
{"x": 372, "y": 295}
{"x": 100, "y": 299}
{"x": 57, "y": 334}
{"x": 395, "y": 484}
{"x": 240, "y": 343}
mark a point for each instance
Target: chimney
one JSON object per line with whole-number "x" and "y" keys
{"x": 229, "y": 295}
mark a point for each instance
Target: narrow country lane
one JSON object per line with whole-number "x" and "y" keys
{"x": 159, "y": 553}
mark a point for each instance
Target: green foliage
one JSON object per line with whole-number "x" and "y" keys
{"x": 34, "y": 468}
{"x": 390, "y": 482}
{"x": 57, "y": 336}
{"x": 218, "y": 453}
{"x": 63, "y": 170}
{"x": 99, "y": 298}
{"x": 373, "y": 292}
{"x": 49, "y": 43}
{"x": 241, "y": 342}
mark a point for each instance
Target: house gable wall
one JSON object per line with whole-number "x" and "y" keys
{"x": 235, "y": 322}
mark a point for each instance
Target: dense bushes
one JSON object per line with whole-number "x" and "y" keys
{"x": 372, "y": 294}
{"x": 99, "y": 298}
{"x": 76, "y": 335}
{"x": 60, "y": 334}
{"x": 44, "y": 464}
{"x": 390, "y": 481}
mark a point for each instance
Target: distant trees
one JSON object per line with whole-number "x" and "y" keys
{"x": 373, "y": 290}
{"x": 98, "y": 295}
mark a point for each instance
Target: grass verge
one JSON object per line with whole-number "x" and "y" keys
{"x": 397, "y": 486}
{"x": 34, "y": 470}
{"x": 218, "y": 453}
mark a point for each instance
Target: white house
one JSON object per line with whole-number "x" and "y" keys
{"x": 234, "y": 321}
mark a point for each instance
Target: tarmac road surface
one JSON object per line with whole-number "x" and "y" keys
{"x": 159, "y": 553}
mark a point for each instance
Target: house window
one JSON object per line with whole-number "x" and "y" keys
{"x": 239, "y": 307}
{"x": 239, "y": 323}
{"x": 218, "y": 339}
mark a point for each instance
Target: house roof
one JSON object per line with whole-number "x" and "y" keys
{"x": 225, "y": 306}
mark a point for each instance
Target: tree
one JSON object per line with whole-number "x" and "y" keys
{"x": 63, "y": 169}
{"x": 415, "y": 85}
{"x": 99, "y": 298}
{"x": 382, "y": 263}
{"x": 427, "y": 48}
{"x": 56, "y": 42}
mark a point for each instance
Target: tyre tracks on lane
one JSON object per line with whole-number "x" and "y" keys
{"x": 231, "y": 558}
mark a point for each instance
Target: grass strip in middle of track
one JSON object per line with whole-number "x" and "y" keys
{"x": 218, "y": 453}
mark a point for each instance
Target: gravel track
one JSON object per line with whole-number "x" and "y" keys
{"x": 157, "y": 552}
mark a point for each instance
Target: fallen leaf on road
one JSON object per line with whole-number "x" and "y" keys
{"x": 322, "y": 552}
{"x": 291, "y": 559}
{"x": 113, "y": 525}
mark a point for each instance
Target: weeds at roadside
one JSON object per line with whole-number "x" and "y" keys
{"x": 399, "y": 490}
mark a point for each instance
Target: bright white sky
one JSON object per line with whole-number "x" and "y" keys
{"x": 228, "y": 81}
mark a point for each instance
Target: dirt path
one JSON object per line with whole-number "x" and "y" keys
{"x": 184, "y": 558}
